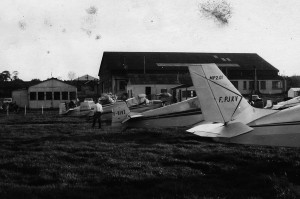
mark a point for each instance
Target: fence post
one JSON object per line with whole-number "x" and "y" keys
{"x": 42, "y": 110}
{"x": 7, "y": 110}
{"x": 25, "y": 110}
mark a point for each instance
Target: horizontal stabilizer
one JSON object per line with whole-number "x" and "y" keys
{"x": 220, "y": 130}
{"x": 131, "y": 116}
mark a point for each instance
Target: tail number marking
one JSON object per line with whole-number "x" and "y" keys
{"x": 216, "y": 77}
{"x": 228, "y": 99}
{"x": 119, "y": 112}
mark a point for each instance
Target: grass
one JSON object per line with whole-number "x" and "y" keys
{"x": 45, "y": 156}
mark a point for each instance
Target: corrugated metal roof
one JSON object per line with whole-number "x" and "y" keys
{"x": 86, "y": 78}
{"x": 148, "y": 60}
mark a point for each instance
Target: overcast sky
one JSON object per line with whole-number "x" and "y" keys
{"x": 40, "y": 37}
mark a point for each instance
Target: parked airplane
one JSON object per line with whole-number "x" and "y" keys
{"x": 136, "y": 104}
{"x": 230, "y": 118}
{"x": 284, "y": 104}
{"x": 85, "y": 109}
{"x": 181, "y": 114}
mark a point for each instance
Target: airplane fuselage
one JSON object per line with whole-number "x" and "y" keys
{"x": 281, "y": 128}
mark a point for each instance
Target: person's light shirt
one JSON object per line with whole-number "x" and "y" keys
{"x": 98, "y": 108}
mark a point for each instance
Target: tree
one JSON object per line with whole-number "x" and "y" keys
{"x": 71, "y": 75}
{"x": 35, "y": 81}
{"x": 15, "y": 75}
{"x": 5, "y": 76}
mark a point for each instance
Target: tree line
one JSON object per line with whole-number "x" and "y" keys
{"x": 11, "y": 81}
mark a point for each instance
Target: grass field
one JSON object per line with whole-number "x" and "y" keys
{"x": 46, "y": 156}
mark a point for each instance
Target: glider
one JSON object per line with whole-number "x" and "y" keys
{"x": 232, "y": 119}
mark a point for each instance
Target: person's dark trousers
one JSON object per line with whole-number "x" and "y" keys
{"x": 97, "y": 116}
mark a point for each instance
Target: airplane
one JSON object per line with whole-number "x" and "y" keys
{"x": 182, "y": 114}
{"x": 284, "y": 104}
{"x": 230, "y": 118}
{"x": 137, "y": 104}
{"x": 84, "y": 110}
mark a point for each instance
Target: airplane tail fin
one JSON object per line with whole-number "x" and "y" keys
{"x": 120, "y": 112}
{"x": 269, "y": 104}
{"x": 220, "y": 101}
{"x": 62, "y": 108}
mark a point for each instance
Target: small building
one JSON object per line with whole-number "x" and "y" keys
{"x": 20, "y": 97}
{"x": 50, "y": 93}
{"x": 87, "y": 87}
{"x": 86, "y": 78}
{"x": 294, "y": 92}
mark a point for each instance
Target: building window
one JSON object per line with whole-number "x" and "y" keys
{"x": 48, "y": 95}
{"x": 263, "y": 85}
{"x": 276, "y": 84}
{"x": 186, "y": 94}
{"x": 251, "y": 85}
{"x": 122, "y": 85}
{"x": 41, "y": 96}
{"x": 56, "y": 95}
{"x": 244, "y": 85}
{"x": 148, "y": 90}
{"x": 64, "y": 95}
{"x": 72, "y": 95}
{"x": 32, "y": 95}
{"x": 164, "y": 90}
{"x": 235, "y": 84}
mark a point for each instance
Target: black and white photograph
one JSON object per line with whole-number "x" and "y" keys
{"x": 149, "y": 99}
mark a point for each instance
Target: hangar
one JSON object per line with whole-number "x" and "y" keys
{"x": 50, "y": 93}
{"x": 47, "y": 94}
{"x": 247, "y": 71}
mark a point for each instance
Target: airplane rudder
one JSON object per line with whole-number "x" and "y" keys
{"x": 62, "y": 108}
{"x": 120, "y": 111}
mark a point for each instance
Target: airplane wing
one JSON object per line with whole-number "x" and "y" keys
{"x": 220, "y": 130}
{"x": 131, "y": 115}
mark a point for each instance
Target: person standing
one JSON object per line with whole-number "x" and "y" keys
{"x": 97, "y": 113}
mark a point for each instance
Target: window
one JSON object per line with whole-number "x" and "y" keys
{"x": 72, "y": 95}
{"x": 56, "y": 95}
{"x": 41, "y": 95}
{"x": 148, "y": 90}
{"x": 251, "y": 85}
{"x": 263, "y": 85}
{"x": 48, "y": 95}
{"x": 276, "y": 84}
{"x": 64, "y": 95}
{"x": 188, "y": 94}
{"x": 122, "y": 85}
{"x": 235, "y": 84}
{"x": 164, "y": 90}
{"x": 245, "y": 85}
{"x": 32, "y": 95}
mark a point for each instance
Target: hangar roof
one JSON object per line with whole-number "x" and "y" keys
{"x": 139, "y": 61}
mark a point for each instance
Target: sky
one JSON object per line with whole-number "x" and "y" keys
{"x": 50, "y": 38}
